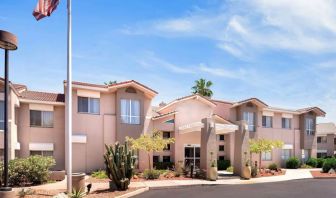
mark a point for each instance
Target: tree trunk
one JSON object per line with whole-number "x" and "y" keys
{"x": 149, "y": 163}
{"x": 260, "y": 160}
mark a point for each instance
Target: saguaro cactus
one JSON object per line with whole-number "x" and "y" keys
{"x": 119, "y": 162}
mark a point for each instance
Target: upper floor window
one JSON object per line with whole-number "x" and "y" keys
{"x": 41, "y": 118}
{"x": 322, "y": 139}
{"x": 166, "y": 135}
{"x": 250, "y": 119}
{"x": 221, "y": 138}
{"x": 2, "y": 115}
{"x": 130, "y": 111}
{"x": 310, "y": 130}
{"x": 286, "y": 123}
{"x": 267, "y": 121}
{"x": 88, "y": 105}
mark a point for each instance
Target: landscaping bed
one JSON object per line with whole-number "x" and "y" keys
{"x": 321, "y": 175}
{"x": 268, "y": 172}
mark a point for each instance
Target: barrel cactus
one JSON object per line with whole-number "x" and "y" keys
{"x": 119, "y": 162}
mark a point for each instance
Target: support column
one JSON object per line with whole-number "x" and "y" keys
{"x": 208, "y": 143}
{"x": 241, "y": 147}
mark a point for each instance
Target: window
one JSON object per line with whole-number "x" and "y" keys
{"x": 2, "y": 115}
{"x": 266, "y": 156}
{"x": 321, "y": 155}
{"x": 286, "y": 154}
{"x": 221, "y": 137}
{"x": 88, "y": 105}
{"x": 249, "y": 118}
{"x": 335, "y": 141}
{"x": 130, "y": 111}
{"x": 166, "y": 135}
{"x": 286, "y": 123}
{"x": 42, "y": 153}
{"x": 267, "y": 121}
{"x": 41, "y": 118}
{"x": 165, "y": 158}
{"x": 221, "y": 157}
{"x": 156, "y": 158}
{"x": 221, "y": 147}
{"x": 322, "y": 139}
{"x": 310, "y": 126}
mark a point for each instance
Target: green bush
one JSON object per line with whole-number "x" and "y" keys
{"x": 293, "y": 163}
{"x": 273, "y": 166}
{"x": 223, "y": 164}
{"x": 320, "y": 162}
{"x": 100, "y": 174}
{"x": 230, "y": 169}
{"x": 32, "y": 170}
{"x": 151, "y": 174}
{"x": 163, "y": 165}
{"x": 312, "y": 162}
{"x": 328, "y": 164}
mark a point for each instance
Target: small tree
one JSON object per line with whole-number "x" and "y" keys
{"x": 111, "y": 82}
{"x": 153, "y": 142}
{"x": 263, "y": 145}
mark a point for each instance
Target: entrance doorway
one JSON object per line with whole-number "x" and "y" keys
{"x": 192, "y": 154}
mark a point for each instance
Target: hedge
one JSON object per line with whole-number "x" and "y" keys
{"x": 163, "y": 165}
{"x": 293, "y": 163}
{"x": 223, "y": 164}
{"x": 329, "y": 163}
{"x": 28, "y": 171}
{"x": 312, "y": 162}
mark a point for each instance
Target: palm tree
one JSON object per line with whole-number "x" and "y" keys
{"x": 202, "y": 87}
{"x": 111, "y": 82}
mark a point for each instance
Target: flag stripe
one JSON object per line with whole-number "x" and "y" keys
{"x": 44, "y": 8}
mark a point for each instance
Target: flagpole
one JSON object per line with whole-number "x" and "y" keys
{"x": 68, "y": 129}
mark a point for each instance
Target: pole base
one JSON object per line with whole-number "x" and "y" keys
{"x": 7, "y": 192}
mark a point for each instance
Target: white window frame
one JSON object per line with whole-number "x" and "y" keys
{"x": 43, "y": 153}
{"x": 43, "y": 125}
{"x": 89, "y": 105}
{"x": 310, "y": 126}
{"x": 130, "y": 116}
{"x": 266, "y": 156}
{"x": 250, "y": 119}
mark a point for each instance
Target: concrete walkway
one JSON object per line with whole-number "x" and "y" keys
{"x": 291, "y": 174}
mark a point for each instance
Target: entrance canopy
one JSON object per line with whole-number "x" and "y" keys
{"x": 197, "y": 126}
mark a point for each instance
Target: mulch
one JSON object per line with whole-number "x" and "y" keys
{"x": 95, "y": 180}
{"x": 320, "y": 175}
{"x": 273, "y": 173}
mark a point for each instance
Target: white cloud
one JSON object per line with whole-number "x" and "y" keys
{"x": 243, "y": 26}
{"x": 222, "y": 72}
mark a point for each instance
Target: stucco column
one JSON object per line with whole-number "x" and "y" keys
{"x": 330, "y": 144}
{"x": 208, "y": 143}
{"x": 241, "y": 146}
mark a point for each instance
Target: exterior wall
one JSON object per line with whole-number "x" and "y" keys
{"x": 329, "y": 146}
{"x": 308, "y": 142}
{"x": 54, "y": 135}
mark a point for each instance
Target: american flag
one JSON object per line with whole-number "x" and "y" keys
{"x": 45, "y": 8}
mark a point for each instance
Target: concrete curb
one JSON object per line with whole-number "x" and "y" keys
{"x": 182, "y": 186}
{"x": 133, "y": 193}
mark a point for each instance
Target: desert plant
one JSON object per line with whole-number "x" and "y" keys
{"x": 202, "y": 87}
{"x": 254, "y": 171}
{"x": 329, "y": 163}
{"x": 119, "y": 162}
{"x": 293, "y": 163}
{"x": 24, "y": 192}
{"x": 320, "y": 162}
{"x": 77, "y": 193}
{"x": 230, "y": 169}
{"x": 273, "y": 166}
{"x": 213, "y": 163}
{"x": 223, "y": 164}
{"x": 100, "y": 174}
{"x": 312, "y": 162}
{"x": 151, "y": 174}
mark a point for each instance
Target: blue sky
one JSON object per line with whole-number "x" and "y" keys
{"x": 282, "y": 52}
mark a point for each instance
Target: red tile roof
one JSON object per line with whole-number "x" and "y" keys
{"x": 42, "y": 96}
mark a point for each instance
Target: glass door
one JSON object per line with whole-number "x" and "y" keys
{"x": 192, "y": 156}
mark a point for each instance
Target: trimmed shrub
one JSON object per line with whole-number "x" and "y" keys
{"x": 223, "y": 164}
{"x": 273, "y": 166}
{"x": 32, "y": 170}
{"x": 306, "y": 166}
{"x": 230, "y": 169}
{"x": 320, "y": 162}
{"x": 328, "y": 164}
{"x": 151, "y": 174}
{"x": 163, "y": 165}
{"x": 312, "y": 162}
{"x": 293, "y": 163}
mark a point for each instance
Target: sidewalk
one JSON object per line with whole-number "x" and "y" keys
{"x": 291, "y": 174}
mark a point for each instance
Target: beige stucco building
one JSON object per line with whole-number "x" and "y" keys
{"x": 104, "y": 114}
{"x": 326, "y": 139}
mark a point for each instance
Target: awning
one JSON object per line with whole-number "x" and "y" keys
{"x": 79, "y": 138}
{"x": 287, "y": 146}
{"x": 197, "y": 126}
{"x": 41, "y": 146}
